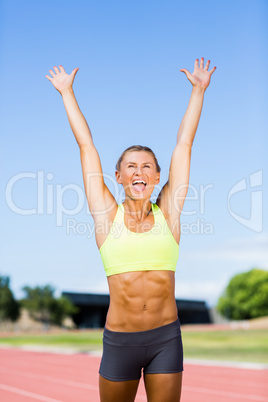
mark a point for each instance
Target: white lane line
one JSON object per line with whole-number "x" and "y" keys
{"x": 223, "y": 363}
{"x": 241, "y": 381}
{"x": 242, "y": 397}
{"x": 51, "y": 379}
{"x": 94, "y": 388}
{"x": 28, "y": 394}
{"x": 140, "y": 398}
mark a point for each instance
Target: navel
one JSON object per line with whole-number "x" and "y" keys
{"x": 145, "y": 307}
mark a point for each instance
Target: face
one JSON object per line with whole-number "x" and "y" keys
{"x": 138, "y": 166}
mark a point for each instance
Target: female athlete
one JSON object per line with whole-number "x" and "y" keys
{"x": 139, "y": 247}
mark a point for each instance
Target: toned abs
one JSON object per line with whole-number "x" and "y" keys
{"x": 140, "y": 301}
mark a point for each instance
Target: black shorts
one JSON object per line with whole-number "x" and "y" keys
{"x": 157, "y": 350}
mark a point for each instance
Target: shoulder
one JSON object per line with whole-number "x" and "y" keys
{"x": 158, "y": 205}
{"x": 103, "y": 223}
{"x": 172, "y": 220}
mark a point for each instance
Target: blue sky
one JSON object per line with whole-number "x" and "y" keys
{"x": 131, "y": 91}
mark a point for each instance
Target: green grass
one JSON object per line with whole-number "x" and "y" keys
{"x": 84, "y": 340}
{"x": 235, "y": 345}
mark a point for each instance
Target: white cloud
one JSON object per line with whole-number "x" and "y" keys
{"x": 253, "y": 250}
{"x": 100, "y": 288}
{"x": 207, "y": 290}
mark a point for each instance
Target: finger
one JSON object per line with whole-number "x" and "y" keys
{"x": 183, "y": 70}
{"x": 196, "y": 64}
{"x": 74, "y": 71}
{"x": 52, "y": 73}
{"x": 49, "y": 78}
{"x": 202, "y": 62}
{"x": 212, "y": 71}
{"x": 61, "y": 69}
{"x": 207, "y": 65}
{"x": 56, "y": 69}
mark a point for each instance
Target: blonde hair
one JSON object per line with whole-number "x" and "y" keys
{"x": 137, "y": 148}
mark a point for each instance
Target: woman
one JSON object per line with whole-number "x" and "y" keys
{"x": 139, "y": 249}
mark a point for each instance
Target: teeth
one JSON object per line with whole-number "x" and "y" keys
{"x": 139, "y": 181}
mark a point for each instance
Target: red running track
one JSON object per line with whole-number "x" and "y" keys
{"x": 28, "y": 376}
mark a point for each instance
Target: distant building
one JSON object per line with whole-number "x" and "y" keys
{"x": 94, "y": 307}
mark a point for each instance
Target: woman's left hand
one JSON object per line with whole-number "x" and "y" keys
{"x": 200, "y": 78}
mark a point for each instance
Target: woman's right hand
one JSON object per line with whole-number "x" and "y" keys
{"x": 61, "y": 80}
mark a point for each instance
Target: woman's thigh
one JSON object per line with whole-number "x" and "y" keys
{"x": 115, "y": 391}
{"x": 163, "y": 387}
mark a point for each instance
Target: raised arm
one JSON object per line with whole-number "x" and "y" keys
{"x": 175, "y": 190}
{"x": 200, "y": 80}
{"x": 98, "y": 195}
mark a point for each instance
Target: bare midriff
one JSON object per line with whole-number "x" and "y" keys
{"x": 140, "y": 301}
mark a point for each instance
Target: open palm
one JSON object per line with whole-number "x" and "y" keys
{"x": 201, "y": 76}
{"x": 61, "y": 80}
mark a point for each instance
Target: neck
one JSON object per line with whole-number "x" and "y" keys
{"x": 138, "y": 209}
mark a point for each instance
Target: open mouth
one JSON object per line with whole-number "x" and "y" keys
{"x": 139, "y": 185}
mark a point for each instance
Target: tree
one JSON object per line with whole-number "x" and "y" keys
{"x": 246, "y": 296}
{"x": 9, "y": 307}
{"x": 43, "y": 306}
{"x": 63, "y": 307}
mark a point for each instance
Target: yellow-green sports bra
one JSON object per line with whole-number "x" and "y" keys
{"x": 127, "y": 251}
